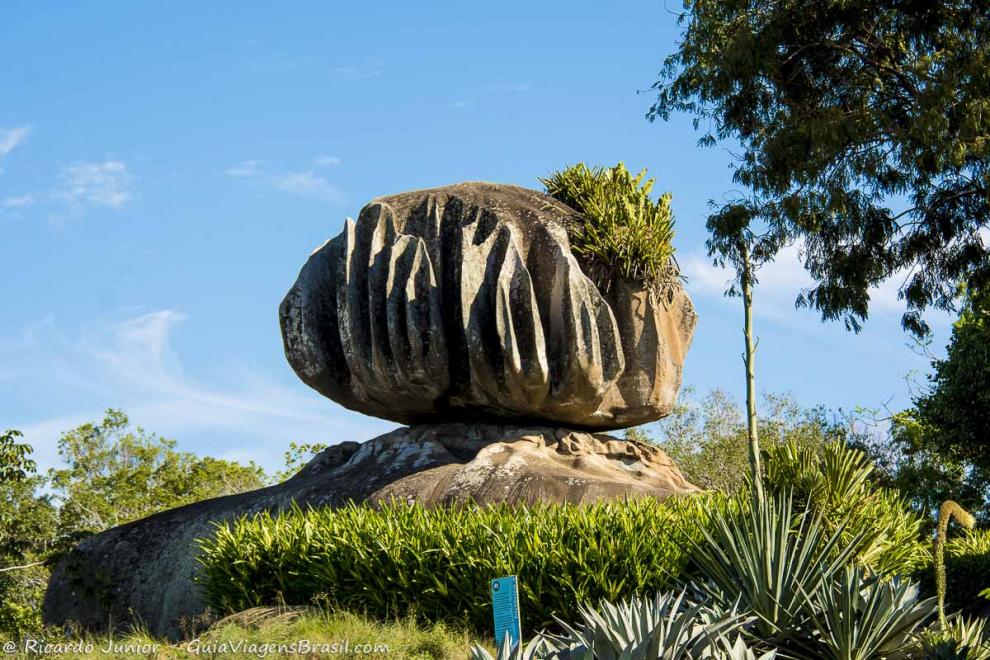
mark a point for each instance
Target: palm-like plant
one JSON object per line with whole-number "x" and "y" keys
{"x": 859, "y": 617}
{"x": 772, "y": 560}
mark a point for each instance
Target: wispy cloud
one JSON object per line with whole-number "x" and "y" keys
{"x": 17, "y": 201}
{"x": 372, "y": 69}
{"x": 247, "y": 169}
{"x": 106, "y": 183}
{"x": 489, "y": 90}
{"x": 10, "y": 139}
{"x": 780, "y": 283}
{"x": 306, "y": 183}
{"x": 131, "y": 363}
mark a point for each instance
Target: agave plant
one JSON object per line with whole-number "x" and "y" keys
{"x": 772, "y": 560}
{"x": 538, "y": 648}
{"x": 859, "y": 617}
{"x": 668, "y": 627}
{"x": 960, "y": 639}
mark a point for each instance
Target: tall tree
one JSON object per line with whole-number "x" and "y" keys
{"x": 864, "y": 128}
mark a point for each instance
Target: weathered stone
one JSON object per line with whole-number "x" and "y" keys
{"x": 144, "y": 572}
{"x": 465, "y": 303}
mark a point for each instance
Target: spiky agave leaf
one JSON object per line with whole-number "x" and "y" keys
{"x": 770, "y": 559}
{"x": 860, "y": 617}
{"x": 667, "y": 626}
{"x": 537, "y": 649}
{"x": 738, "y": 650}
{"x": 961, "y": 639}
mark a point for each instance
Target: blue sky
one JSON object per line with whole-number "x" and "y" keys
{"x": 165, "y": 169}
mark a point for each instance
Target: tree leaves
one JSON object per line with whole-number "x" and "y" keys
{"x": 864, "y": 129}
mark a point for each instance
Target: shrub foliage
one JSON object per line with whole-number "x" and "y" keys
{"x": 437, "y": 562}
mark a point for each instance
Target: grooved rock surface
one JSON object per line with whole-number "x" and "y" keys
{"x": 465, "y": 303}
{"x": 144, "y": 571}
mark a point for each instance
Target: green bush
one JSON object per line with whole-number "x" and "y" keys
{"x": 437, "y": 563}
{"x": 623, "y": 232}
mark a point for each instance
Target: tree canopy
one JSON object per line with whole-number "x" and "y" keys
{"x": 940, "y": 448}
{"x": 864, "y": 129}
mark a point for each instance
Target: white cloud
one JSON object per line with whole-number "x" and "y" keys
{"x": 462, "y": 104}
{"x": 326, "y": 161}
{"x": 305, "y": 183}
{"x": 17, "y": 201}
{"x": 10, "y": 138}
{"x": 247, "y": 169}
{"x": 779, "y": 283}
{"x": 131, "y": 363}
{"x": 360, "y": 71}
{"x": 101, "y": 184}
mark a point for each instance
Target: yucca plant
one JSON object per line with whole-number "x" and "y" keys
{"x": 961, "y": 638}
{"x": 772, "y": 560}
{"x": 860, "y": 617}
{"x": 622, "y": 231}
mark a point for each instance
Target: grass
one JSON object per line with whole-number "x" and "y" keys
{"x": 269, "y": 632}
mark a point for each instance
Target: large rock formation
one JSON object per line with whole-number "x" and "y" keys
{"x": 144, "y": 572}
{"x": 466, "y": 303}
{"x": 450, "y": 309}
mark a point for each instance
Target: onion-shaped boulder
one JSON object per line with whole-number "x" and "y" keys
{"x": 465, "y": 303}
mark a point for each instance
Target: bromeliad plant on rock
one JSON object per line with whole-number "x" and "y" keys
{"x": 622, "y": 232}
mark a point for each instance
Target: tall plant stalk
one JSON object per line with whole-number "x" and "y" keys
{"x": 948, "y": 511}
{"x": 746, "y": 282}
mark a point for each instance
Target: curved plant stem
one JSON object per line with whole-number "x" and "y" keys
{"x": 948, "y": 510}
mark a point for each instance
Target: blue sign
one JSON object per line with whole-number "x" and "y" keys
{"x": 505, "y": 605}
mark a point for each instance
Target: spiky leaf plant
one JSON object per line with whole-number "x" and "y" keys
{"x": 667, "y": 627}
{"x": 948, "y": 511}
{"x": 837, "y": 480}
{"x": 773, "y": 559}
{"x": 859, "y": 617}
{"x": 961, "y": 639}
{"x": 537, "y": 648}
{"x": 622, "y": 232}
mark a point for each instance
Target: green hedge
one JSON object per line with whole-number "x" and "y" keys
{"x": 437, "y": 563}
